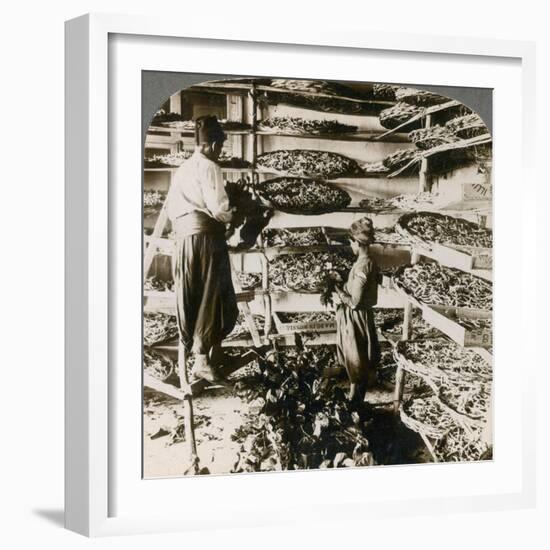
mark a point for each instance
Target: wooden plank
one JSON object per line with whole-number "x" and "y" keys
{"x": 165, "y": 301}
{"x": 459, "y": 258}
{"x": 422, "y": 114}
{"x": 399, "y": 388}
{"x": 151, "y": 250}
{"x": 162, "y": 245}
{"x": 298, "y": 301}
{"x": 243, "y": 87}
{"x": 235, "y": 112}
{"x": 320, "y": 339}
{"x": 445, "y": 319}
{"x": 188, "y": 417}
{"x": 175, "y": 103}
{"x": 293, "y": 327}
{"x": 462, "y": 144}
{"x": 429, "y": 446}
{"x": 365, "y": 137}
{"x": 196, "y": 386}
{"x": 157, "y": 385}
{"x": 152, "y": 140}
{"x": 174, "y": 131}
{"x": 424, "y": 183}
{"x": 244, "y": 308}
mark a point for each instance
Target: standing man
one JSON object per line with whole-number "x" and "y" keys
{"x": 198, "y": 207}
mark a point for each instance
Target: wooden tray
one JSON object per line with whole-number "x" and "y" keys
{"x": 465, "y": 258}
{"x": 445, "y": 319}
{"x": 293, "y": 327}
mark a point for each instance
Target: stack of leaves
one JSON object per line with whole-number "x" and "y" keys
{"x": 304, "y": 162}
{"x": 400, "y": 158}
{"x": 306, "y": 272}
{"x": 388, "y": 235}
{"x": 300, "y": 236}
{"x": 453, "y": 362}
{"x": 157, "y": 285}
{"x": 302, "y": 196}
{"x": 153, "y": 198}
{"x": 400, "y": 202}
{"x": 387, "y": 368}
{"x": 162, "y": 117}
{"x": 427, "y": 411}
{"x": 460, "y": 378}
{"x": 374, "y": 167}
{"x": 439, "y": 228}
{"x": 189, "y": 125}
{"x": 384, "y": 91}
{"x": 390, "y": 322}
{"x": 157, "y": 365}
{"x": 419, "y": 97}
{"x": 169, "y": 159}
{"x": 249, "y": 280}
{"x": 398, "y": 114}
{"x": 315, "y": 86}
{"x": 467, "y": 126}
{"x": 433, "y": 136}
{"x": 324, "y": 104}
{"x": 180, "y": 124}
{"x": 306, "y": 316}
{"x": 158, "y": 328}
{"x": 304, "y": 422}
{"x": 242, "y": 329}
{"x": 431, "y": 283}
{"x": 301, "y": 126}
{"x": 228, "y": 161}
{"x": 457, "y": 445}
{"x": 475, "y": 325}
{"x": 466, "y": 398}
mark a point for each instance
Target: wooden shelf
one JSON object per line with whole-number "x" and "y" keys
{"x": 245, "y": 88}
{"x": 224, "y": 170}
{"x": 347, "y": 136}
{"x": 444, "y": 319}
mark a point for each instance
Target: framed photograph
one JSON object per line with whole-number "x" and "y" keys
{"x": 289, "y": 276}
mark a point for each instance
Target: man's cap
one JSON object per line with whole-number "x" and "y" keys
{"x": 208, "y": 130}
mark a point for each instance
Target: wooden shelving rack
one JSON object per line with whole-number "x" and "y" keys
{"x": 245, "y": 144}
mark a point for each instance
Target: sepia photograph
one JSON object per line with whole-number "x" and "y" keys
{"x": 317, "y": 275}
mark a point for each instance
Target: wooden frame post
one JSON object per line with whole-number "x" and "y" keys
{"x": 424, "y": 179}
{"x": 189, "y": 424}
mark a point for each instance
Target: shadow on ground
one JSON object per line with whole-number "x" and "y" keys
{"x": 56, "y": 517}
{"x": 391, "y": 442}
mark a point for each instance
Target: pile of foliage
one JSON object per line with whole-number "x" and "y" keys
{"x": 303, "y": 420}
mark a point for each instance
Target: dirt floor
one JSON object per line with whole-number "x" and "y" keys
{"x": 218, "y": 413}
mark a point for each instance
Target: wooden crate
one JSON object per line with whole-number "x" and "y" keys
{"x": 464, "y": 259}
{"x": 318, "y": 339}
{"x": 293, "y": 327}
{"x": 445, "y": 319}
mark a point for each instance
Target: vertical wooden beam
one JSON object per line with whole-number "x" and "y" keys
{"x": 189, "y": 424}
{"x": 235, "y": 113}
{"x": 399, "y": 388}
{"x": 424, "y": 180}
{"x": 400, "y": 374}
{"x": 175, "y": 103}
{"x": 268, "y": 306}
{"x": 254, "y": 97}
{"x": 407, "y": 321}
